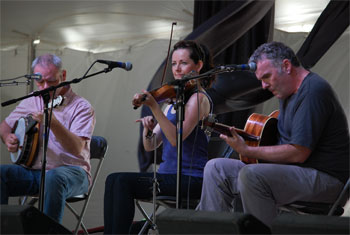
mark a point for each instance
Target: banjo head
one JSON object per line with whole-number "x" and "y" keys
{"x": 27, "y": 133}
{"x": 20, "y": 134}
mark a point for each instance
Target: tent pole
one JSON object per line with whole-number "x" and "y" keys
{"x": 31, "y": 57}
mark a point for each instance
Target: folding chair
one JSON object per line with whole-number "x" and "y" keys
{"x": 98, "y": 149}
{"x": 164, "y": 201}
{"x": 320, "y": 208}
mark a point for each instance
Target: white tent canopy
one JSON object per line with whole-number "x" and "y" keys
{"x": 81, "y": 32}
{"x": 94, "y": 26}
{"x": 102, "y": 26}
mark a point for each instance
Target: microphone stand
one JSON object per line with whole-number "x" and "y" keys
{"x": 179, "y": 86}
{"x": 180, "y": 117}
{"x": 45, "y": 94}
{"x": 14, "y": 83}
{"x": 46, "y": 99}
{"x": 6, "y": 82}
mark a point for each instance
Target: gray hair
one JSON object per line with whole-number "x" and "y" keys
{"x": 46, "y": 60}
{"x": 276, "y": 52}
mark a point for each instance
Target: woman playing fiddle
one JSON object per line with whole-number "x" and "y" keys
{"x": 122, "y": 188}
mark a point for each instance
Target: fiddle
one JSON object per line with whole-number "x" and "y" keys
{"x": 166, "y": 93}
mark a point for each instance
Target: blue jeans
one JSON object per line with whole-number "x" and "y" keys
{"x": 60, "y": 183}
{"x": 122, "y": 188}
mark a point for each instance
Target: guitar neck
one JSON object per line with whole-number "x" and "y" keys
{"x": 224, "y": 129}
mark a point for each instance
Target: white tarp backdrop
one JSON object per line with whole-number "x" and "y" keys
{"x": 81, "y": 32}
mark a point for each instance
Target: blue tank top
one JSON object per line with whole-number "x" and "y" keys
{"x": 195, "y": 151}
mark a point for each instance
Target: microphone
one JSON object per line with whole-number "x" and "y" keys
{"x": 35, "y": 76}
{"x": 238, "y": 67}
{"x": 115, "y": 64}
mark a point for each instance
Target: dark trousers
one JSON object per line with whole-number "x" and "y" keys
{"x": 122, "y": 188}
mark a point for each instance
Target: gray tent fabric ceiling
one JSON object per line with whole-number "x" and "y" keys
{"x": 92, "y": 25}
{"x": 110, "y": 25}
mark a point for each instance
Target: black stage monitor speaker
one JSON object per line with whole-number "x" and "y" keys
{"x": 310, "y": 224}
{"x": 28, "y": 220}
{"x": 174, "y": 221}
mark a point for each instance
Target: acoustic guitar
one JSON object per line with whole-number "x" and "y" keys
{"x": 259, "y": 130}
{"x": 26, "y": 130}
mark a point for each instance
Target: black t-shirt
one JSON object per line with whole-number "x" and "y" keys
{"x": 314, "y": 118}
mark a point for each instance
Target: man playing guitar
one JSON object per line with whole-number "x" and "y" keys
{"x": 310, "y": 161}
{"x": 68, "y": 151}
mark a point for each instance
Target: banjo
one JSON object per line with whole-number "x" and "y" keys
{"x": 26, "y": 130}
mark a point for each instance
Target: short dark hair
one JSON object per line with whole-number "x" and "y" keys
{"x": 276, "y": 52}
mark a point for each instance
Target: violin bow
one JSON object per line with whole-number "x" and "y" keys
{"x": 167, "y": 57}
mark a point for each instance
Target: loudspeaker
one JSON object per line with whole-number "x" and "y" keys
{"x": 174, "y": 221}
{"x": 28, "y": 220}
{"x": 310, "y": 224}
